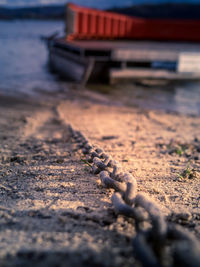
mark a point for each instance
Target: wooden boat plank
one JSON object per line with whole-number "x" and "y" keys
{"x": 134, "y": 73}
{"x": 135, "y": 50}
{"x": 107, "y": 45}
{"x": 144, "y": 55}
{"x": 153, "y": 51}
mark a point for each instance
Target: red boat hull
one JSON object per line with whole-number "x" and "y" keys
{"x": 86, "y": 23}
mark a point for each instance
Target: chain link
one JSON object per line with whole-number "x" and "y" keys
{"x": 159, "y": 243}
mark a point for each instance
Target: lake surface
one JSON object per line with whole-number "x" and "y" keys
{"x": 24, "y": 70}
{"x": 23, "y": 56}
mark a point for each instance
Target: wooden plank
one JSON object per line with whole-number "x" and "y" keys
{"x": 134, "y": 73}
{"x": 140, "y": 51}
{"x": 189, "y": 62}
{"x": 145, "y": 55}
{"x": 143, "y": 45}
{"x": 88, "y": 71}
{"x": 153, "y": 51}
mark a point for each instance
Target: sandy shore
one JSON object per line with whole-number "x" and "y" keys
{"x": 160, "y": 149}
{"x": 53, "y": 211}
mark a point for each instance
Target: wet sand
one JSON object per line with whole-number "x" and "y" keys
{"x": 54, "y": 211}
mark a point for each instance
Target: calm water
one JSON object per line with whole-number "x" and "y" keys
{"x": 23, "y": 69}
{"x": 23, "y": 56}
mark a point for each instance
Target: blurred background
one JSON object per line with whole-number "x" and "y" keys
{"x": 24, "y": 55}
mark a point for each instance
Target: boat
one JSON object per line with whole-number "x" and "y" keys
{"x": 107, "y": 47}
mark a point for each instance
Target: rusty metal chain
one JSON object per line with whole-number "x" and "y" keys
{"x": 160, "y": 243}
